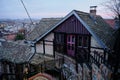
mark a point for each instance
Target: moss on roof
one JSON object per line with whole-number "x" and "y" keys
{"x": 14, "y": 52}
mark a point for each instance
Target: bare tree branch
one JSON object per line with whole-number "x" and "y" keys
{"x": 114, "y": 7}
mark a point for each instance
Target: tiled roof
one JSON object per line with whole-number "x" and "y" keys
{"x": 14, "y": 52}
{"x": 44, "y": 25}
{"x": 99, "y": 27}
{"x": 111, "y": 22}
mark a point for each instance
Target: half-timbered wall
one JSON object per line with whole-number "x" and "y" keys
{"x": 45, "y": 45}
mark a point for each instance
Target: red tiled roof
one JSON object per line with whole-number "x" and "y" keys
{"x": 111, "y": 22}
{"x": 11, "y": 37}
{"x": 41, "y": 76}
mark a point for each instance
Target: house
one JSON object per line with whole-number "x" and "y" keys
{"x": 114, "y": 23}
{"x": 10, "y": 36}
{"x": 82, "y": 41}
{"x": 14, "y": 58}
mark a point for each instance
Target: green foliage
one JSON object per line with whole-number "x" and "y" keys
{"x": 19, "y": 37}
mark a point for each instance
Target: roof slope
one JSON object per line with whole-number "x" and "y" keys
{"x": 100, "y": 28}
{"x": 44, "y": 25}
{"x": 14, "y": 52}
{"x": 39, "y": 58}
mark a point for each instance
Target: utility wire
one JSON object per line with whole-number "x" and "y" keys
{"x": 26, "y": 11}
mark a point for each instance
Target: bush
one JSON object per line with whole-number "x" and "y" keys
{"x": 20, "y": 37}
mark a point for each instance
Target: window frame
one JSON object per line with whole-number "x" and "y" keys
{"x": 83, "y": 41}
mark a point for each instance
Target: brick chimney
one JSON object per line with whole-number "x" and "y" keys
{"x": 93, "y": 10}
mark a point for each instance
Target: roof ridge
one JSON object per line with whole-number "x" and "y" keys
{"x": 81, "y": 12}
{"x": 57, "y": 18}
{"x": 84, "y": 13}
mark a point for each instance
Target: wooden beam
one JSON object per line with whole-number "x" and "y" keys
{"x": 43, "y": 47}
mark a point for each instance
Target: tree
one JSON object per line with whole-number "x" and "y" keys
{"x": 114, "y": 7}
{"x": 19, "y": 37}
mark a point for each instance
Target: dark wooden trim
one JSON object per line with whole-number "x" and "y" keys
{"x": 89, "y": 44}
{"x": 59, "y": 32}
{"x": 104, "y": 55}
{"x": 72, "y": 33}
{"x": 47, "y": 41}
{"x": 76, "y": 38}
{"x": 35, "y": 48}
{"x": 43, "y": 47}
{"x": 54, "y": 48}
{"x": 65, "y": 43}
{"x": 97, "y": 48}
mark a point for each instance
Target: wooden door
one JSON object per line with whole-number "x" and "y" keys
{"x": 71, "y": 45}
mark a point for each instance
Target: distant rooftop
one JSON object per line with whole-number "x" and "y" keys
{"x": 111, "y": 22}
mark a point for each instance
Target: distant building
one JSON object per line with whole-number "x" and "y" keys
{"x": 111, "y": 22}
{"x": 10, "y": 36}
{"x": 114, "y": 23}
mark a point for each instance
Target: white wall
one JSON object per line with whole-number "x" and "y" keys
{"x": 39, "y": 47}
{"x": 94, "y": 43}
{"x": 48, "y": 45}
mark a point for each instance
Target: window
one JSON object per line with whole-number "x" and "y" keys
{"x": 68, "y": 38}
{"x": 83, "y": 41}
{"x": 79, "y": 41}
{"x": 73, "y": 38}
{"x": 59, "y": 39}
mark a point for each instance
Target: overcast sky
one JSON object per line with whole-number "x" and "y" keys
{"x": 47, "y": 8}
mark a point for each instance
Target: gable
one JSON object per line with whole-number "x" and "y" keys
{"x": 72, "y": 25}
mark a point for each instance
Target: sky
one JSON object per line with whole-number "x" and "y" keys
{"x": 13, "y": 9}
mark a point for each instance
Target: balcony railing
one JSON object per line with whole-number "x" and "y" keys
{"x": 83, "y": 55}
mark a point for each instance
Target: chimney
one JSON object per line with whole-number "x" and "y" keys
{"x": 93, "y": 10}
